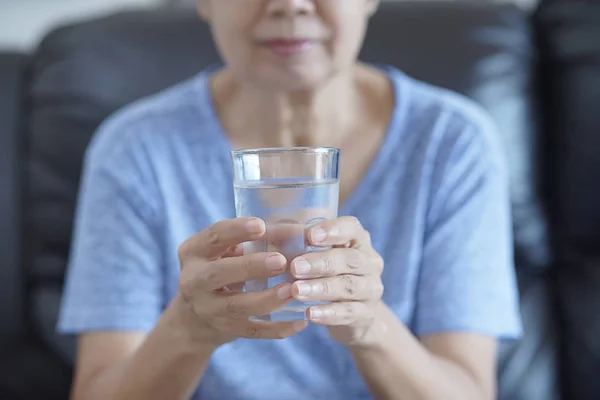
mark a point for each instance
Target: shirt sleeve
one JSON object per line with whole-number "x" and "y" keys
{"x": 467, "y": 280}
{"x": 114, "y": 277}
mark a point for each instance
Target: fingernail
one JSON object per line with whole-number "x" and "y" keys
{"x": 284, "y": 292}
{"x": 275, "y": 262}
{"x": 318, "y": 235}
{"x": 255, "y": 226}
{"x": 301, "y": 266}
{"x": 303, "y": 288}
{"x": 299, "y": 325}
{"x": 316, "y": 313}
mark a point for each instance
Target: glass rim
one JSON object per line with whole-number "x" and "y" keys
{"x": 275, "y": 150}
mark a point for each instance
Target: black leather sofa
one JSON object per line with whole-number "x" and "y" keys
{"x": 539, "y": 76}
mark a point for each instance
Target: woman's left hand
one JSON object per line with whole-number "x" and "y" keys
{"x": 348, "y": 275}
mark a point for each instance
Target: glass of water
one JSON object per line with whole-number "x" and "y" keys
{"x": 291, "y": 189}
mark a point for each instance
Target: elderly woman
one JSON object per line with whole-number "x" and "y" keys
{"x": 423, "y": 192}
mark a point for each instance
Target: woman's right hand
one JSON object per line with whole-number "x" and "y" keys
{"x": 212, "y": 277}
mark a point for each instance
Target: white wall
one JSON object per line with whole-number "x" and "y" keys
{"x": 23, "y": 22}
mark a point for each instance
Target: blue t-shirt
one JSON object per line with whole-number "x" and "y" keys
{"x": 435, "y": 200}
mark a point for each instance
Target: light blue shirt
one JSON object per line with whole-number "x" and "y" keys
{"x": 435, "y": 200}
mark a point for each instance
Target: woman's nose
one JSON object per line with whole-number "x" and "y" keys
{"x": 290, "y": 8}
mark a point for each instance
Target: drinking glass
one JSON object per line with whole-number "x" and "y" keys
{"x": 291, "y": 189}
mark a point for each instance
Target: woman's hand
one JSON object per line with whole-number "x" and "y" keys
{"x": 348, "y": 274}
{"x": 212, "y": 277}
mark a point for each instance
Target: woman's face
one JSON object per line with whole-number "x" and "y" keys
{"x": 288, "y": 45}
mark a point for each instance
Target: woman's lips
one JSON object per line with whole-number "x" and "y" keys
{"x": 289, "y": 47}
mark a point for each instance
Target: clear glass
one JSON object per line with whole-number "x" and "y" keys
{"x": 291, "y": 189}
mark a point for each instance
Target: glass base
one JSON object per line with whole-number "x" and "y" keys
{"x": 294, "y": 311}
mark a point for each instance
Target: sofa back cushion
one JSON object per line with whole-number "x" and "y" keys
{"x": 569, "y": 34}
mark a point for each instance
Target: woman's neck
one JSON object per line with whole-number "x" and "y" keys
{"x": 254, "y": 117}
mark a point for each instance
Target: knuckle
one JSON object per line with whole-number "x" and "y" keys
{"x": 348, "y": 285}
{"x": 378, "y": 289}
{"x": 184, "y": 251}
{"x": 325, "y": 288}
{"x": 186, "y": 287}
{"x": 367, "y": 235}
{"x": 328, "y": 265}
{"x": 380, "y": 263}
{"x": 333, "y": 312}
{"x": 354, "y": 260}
{"x": 212, "y": 236}
{"x": 348, "y": 311}
{"x": 354, "y": 221}
{"x": 190, "y": 282}
{"x": 231, "y": 306}
{"x": 357, "y": 225}
{"x": 253, "y": 332}
{"x": 212, "y": 278}
{"x": 248, "y": 266}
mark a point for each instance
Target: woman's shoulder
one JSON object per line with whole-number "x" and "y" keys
{"x": 442, "y": 118}
{"x": 424, "y": 98}
{"x": 177, "y": 113}
{"x": 427, "y": 100}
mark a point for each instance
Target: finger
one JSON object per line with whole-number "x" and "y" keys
{"x": 251, "y": 304}
{"x": 283, "y": 231}
{"x": 339, "y": 288}
{"x": 335, "y": 262}
{"x": 231, "y": 270}
{"x": 234, "y": 251}
{"x": 338, "y": 232}
{"x": 271, "y": 330}
{"x": 345, "y": 313}
{"x": 218, "y": 239}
